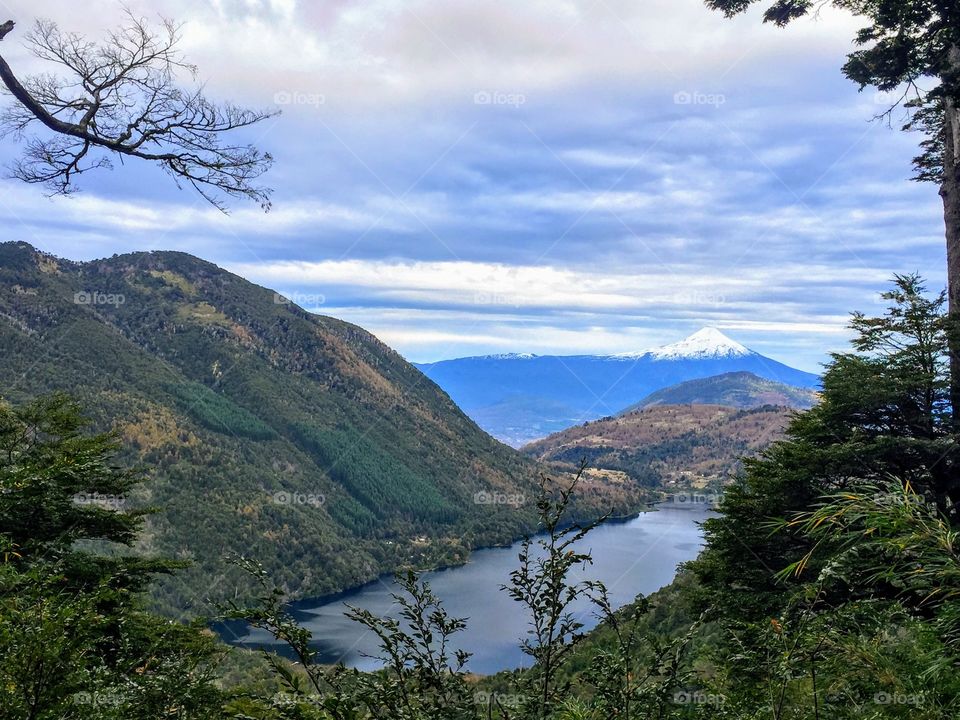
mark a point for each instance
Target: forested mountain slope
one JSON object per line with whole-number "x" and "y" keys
{"x": 668, "y": 445}
{"x": 262, "y": 429}
{"x": 735, "y": 389}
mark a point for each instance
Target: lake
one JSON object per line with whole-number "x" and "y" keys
{"x": 632, "y": 557}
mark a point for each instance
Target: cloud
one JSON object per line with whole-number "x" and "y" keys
{"x": 426, "y": 307}
{"x": 544, "y": 286}
{"x": 605, "y": 174}
{"x": 363, "y": 53}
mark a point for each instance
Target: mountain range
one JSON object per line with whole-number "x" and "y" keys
{"x": 260, "y": 429}
{"x": 519, "y": 398}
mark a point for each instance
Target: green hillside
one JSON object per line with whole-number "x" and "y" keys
{"x": 261, "y": 429}
{"x": 735, "y": 389}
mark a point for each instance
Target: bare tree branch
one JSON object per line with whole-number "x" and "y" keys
{"x": 122, "y": 97}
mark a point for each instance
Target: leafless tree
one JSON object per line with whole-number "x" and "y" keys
{"x": 121, "y": 99}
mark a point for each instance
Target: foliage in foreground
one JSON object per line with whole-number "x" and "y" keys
{"x": 75, "y": 641}
{"x": 423, "y": 674}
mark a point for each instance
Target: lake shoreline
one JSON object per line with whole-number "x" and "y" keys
{"x": 334, "y": 596}
{"x": 635, "y": 554}
{"x": 221, "y": 627}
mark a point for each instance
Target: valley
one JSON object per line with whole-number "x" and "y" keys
{"x": 260, "y": 429}
{"x": 266, "y": 431}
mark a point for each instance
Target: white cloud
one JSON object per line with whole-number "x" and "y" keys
{"x": 494, "y": 292}
{"x": 428, "y": 335}
{"x": 138, "y": 217}
{"x": 376, "y": 51}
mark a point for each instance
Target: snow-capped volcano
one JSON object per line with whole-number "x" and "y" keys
{"x": 520, "y": 397}
{"x": 704, "y": 344}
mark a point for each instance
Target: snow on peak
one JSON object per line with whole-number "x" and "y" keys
{"x": 510, "y": 356}
{"x": 703, "y": 344}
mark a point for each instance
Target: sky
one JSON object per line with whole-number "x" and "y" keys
{"x": 548, "y": 176}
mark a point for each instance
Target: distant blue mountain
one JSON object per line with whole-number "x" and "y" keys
{"x": 518, "y": 398}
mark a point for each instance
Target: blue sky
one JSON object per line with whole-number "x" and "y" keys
{"x": 554, "y": 177}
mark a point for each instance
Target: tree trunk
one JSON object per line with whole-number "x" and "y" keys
{"x": 950, "y": 192}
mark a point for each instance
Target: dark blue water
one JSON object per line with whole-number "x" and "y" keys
{"x": 634, "y": 557}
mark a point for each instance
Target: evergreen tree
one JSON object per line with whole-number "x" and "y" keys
{"x": 75, "y": 640}
{"x": 884, "y": 412}
{"x": 60, "y": 490}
